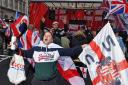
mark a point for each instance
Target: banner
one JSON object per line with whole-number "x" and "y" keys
{"x": 105, "y": 60}
{"x": 73, "y": 28}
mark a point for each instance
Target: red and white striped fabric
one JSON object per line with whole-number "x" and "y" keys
{"x": 105, "y": 60}
{"x": 29, "y": 39}
{"x": 15, "y": 26}
{"x": 68, "y": 70}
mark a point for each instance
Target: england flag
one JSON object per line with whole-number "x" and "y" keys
{"x": 105, "y": 60}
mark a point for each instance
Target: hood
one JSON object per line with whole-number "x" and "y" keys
{"x": 51, "y": 45}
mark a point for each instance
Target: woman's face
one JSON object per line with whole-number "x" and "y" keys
{"x": 47, "y": 39}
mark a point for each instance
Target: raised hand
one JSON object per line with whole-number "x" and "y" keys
{"x": 43, "y": 19}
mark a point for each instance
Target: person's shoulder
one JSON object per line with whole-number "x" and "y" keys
{"x": 39, "y": 48}
{"x": 41, "y": 44}
{"x": 120, "y": 37}
{"x": 53, "y": 45}
{"x": 60, "y": 29}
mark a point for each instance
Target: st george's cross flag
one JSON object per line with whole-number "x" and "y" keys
{"x": 105, "y": 60}
{"x": 69, "y": 72}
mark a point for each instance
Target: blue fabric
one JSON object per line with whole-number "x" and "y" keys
{"x": 23, "y": 28}
{"x": 120, "y": 40}
{"x": 19, "y": 44}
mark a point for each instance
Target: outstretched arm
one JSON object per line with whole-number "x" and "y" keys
{"x": 73, "y": 52}
{"x": 28, "y": 53}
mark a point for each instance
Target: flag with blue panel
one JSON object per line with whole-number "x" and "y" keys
{"x": 118, "y": 6}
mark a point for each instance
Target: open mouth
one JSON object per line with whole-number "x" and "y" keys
{"x": 46, "y": 39}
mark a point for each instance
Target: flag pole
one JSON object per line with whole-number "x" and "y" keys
{"x": 107, "y": 16}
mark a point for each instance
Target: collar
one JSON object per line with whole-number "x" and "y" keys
{"x": 51, "y": 45}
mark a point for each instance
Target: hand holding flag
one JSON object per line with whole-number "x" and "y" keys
{"x": 105, "y": 60}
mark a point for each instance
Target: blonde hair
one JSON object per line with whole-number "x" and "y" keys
{"x": 79, "y": 33}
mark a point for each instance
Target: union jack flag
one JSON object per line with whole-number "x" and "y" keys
{"x": 15, "y": 27}
{"x": 8, "y": 32}
{"x": 118, "y": 6}
{"x": 28, "y": 40}
{"x": 4, "y": 25}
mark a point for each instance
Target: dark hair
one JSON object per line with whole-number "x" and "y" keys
{"x": 116, "y": 30}
{"x": 48, "y": 32}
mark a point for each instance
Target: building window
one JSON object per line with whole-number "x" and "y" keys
{"x": 11, "y": 4}
{"x": 20, "y": 6}
{"x": 6, "y": 16}
{"x": 0, "y": 2}
{"x": 12, "y": 18}
{"x": 5, "y": 3}
{"x": 16, "y": 4}
{"x": 24, "y": 7}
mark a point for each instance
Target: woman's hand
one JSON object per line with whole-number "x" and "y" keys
{"x": 43, "y": 19}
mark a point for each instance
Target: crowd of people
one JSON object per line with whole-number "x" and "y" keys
{"x": 83, "y": 36}
{"x": 5, "y": 36}
{"x": 72, "y": 46}
{"x": 63, "y": 37}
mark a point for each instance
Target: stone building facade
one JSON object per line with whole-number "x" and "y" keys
{"x": 8, "y": 8}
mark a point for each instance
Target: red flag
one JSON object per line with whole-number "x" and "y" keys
{"x": 37, "y": 11}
